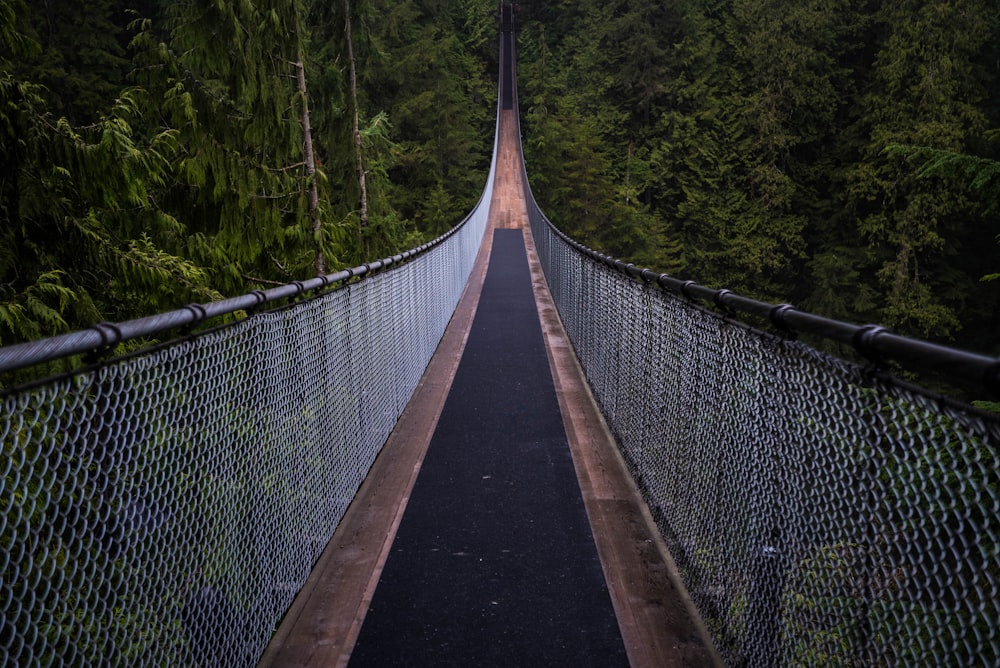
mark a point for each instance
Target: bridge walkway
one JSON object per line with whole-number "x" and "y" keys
{"x": 558, "y": 592}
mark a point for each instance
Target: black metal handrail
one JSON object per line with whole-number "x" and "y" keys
{"x": 874, "y": 342}
{"x": 106, "y": 335}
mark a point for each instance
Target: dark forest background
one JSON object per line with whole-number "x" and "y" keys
{"x": 160, "y": 152}
{"x": 836, "y": 154}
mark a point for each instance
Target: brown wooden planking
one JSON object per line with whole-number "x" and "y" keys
{"x": 508, "y": 208}
{"x": 658, "y": 621}
{"x": 322, "y": 625}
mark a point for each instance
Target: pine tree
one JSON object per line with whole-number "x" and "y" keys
{"x": 924, "y": 90}
{"x": 436, "y": 87}
{"x": 81, "y": 225}
{"x": 231, "y": 78}
{"x": 82, "y": 62}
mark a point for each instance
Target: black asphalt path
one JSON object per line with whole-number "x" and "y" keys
{"x": 494, "y": 563}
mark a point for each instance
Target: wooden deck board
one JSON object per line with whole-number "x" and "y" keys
{"x": 657, "y": 621}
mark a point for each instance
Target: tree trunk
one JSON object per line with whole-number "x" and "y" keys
{"x": 310, "y": 160}
{"x": 358, "y": 147}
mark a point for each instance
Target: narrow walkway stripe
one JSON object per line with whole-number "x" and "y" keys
{"x": 494, "y": 561}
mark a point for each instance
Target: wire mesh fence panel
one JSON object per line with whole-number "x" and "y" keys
{"x": 164, "y": 509}
{"x": 819, "y": 513}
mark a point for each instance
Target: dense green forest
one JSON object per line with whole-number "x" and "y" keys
{"x": 161, "y": 152}
{"x": 836, "y": 154}
{"x": 840, "y": 155}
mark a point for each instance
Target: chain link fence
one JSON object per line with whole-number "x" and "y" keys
{"x": 820, "y": 513}
{"x": 164, "y": 509}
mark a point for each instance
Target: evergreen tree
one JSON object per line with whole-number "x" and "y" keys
{"x": 587, "y": 131}
{"x": 437, "y": 84}
{"x": 924, "y": 90}
{"x": 80, "y": 217}
{"x": 82, "y": 63}
{"x": 227, "y": 79}
{"x": 754, "y": 136}
{"x": 226, "y": 159}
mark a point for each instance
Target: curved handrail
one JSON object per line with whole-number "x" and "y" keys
{"x": 105, "y": 335}
{"x": 873, "y": 342}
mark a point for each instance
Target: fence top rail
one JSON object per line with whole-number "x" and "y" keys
{"x": 873, "y": 342}
{"x": 105, "y": 335}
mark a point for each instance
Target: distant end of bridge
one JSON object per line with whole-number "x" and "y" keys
{"x": 540, "y": 601}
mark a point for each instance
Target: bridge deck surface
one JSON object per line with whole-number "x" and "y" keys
{"x": 494, "y": 561}
{"x": 499, "y": 482}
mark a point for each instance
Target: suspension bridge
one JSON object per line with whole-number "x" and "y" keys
{"x": 499, "y": 448}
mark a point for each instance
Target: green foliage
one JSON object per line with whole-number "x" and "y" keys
{"x": 926, "y": 95}
{"x": 991, "y": 406}
{"x": 434, "y": 78}
{"x": 754, "y": 135}
{"x": 37, "y": 311}
{"x": 982, "y": 174}
{"x": 742, "y": 144}
{"x": 153, "y": 157}
{"x": 960, "y": 169}
{"x": 81, "y": 60}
